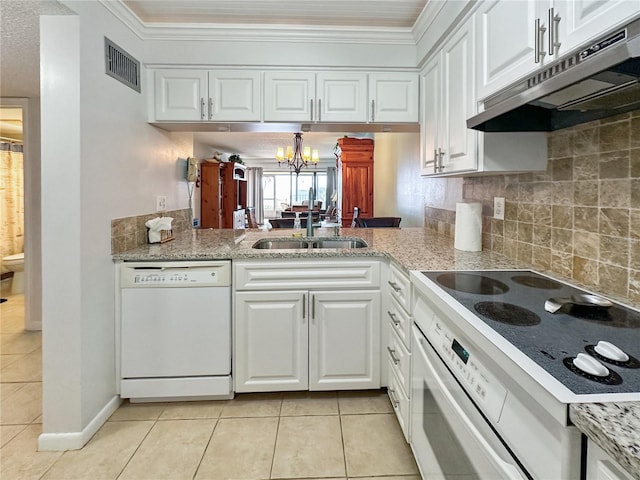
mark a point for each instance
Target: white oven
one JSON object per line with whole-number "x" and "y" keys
{"x": 449, "y": 435}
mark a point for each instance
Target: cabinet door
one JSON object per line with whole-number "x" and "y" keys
{"x": 344, "y": 340}
{"x": 341, "y": 97}
{"x": 180, "y": 95}
{"x": 271, "y": 341}
{"x": 431, "y": 114}
{"x": 581, "y": 20}
{"x": 234, "y": 95}
{"x": 357, "y": 190}
{"x": 289, "y": 96}
{"x": 458, "y": 143}
{"x": 504, "y": 43}
{"x": 210, "y": 195}
{"x": 393, "y": 97}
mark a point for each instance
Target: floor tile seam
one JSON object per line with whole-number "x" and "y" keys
{"x": 124, "y": 467}
{"x": 23, "y": 425}
{"x": 275, "y": 444}
{"x": 206, "y": 447}
{"x": 344, "y": 450}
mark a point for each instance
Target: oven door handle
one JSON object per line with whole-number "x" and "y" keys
{"x": 511, "y": 472}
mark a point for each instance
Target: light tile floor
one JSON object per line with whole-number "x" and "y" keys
{"x": 328, "y": 435}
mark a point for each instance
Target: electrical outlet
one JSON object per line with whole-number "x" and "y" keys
{"x": 161, "y": 203}
{"x": 498, "y": 208}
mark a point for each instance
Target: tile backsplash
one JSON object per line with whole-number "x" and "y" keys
{"x": 131, "y": 232}
{"x": 580, "y": 218}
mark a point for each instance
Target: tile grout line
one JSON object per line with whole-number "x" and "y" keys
{"x": 195, "y": 473}
{"x": 138, "y": 447}
{"x": 275, "y": 440}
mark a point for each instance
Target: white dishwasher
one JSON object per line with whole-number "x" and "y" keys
{"x": 175, "y": 330}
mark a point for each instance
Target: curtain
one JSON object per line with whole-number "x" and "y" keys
{"x": 332, "y": 179}
{"x": 12, "y": 200}
{"x": 254, "y": 191}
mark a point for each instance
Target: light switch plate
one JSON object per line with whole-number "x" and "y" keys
{"x": 161, "y": 203}
{"x": 498, "y": 208}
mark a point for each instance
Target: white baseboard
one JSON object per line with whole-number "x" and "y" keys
{"x": 77, "y": 440}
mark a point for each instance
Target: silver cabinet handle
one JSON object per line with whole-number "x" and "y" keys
{"x": 313, "y": 307}
{"x": 394, "y": 399}
{"x": 392, "y": 354}
{"x": 319, "y": 110}
{"x": 394, "y": 318}
{"x": 210, "y": 108}
{"x": 435, "y": 160}
{"x": 202, "y": 114}
{"x": 304, "y": 306}
{"x": 440, "y": 156}
{"x": 394, "y": 285}
{"x": 373, "y": 110}
{"x": 538, "y": 52}
{"x": 311, "y": 103}
{"x": 554, "y": 20}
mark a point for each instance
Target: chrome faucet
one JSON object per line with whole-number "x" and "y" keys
{"x": 310, "y": 214}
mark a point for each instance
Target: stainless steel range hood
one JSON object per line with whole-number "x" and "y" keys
{"x": 598, "y": 80}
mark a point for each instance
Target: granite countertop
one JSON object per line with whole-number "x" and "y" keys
{"x": 613, "y": 426}
{"x": 410, "y": 248}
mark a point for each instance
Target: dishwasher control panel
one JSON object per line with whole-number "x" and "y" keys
{"x": 175, "y": 274}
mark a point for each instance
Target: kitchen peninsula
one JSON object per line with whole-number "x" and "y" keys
{"x": 409, "y": 249}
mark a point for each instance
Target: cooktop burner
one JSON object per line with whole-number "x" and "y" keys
{"x": 463, "y": 282}
{"x": 536, "y": 282}
{"x": 615, "y": 317}
{"x": 507, "y": 313}
{"x": 512, "y": 303}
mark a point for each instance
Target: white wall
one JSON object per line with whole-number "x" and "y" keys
{"x": 398, "y": 187}
{"x": 100, "y": 160}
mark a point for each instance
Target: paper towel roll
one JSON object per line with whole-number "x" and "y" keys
{"x": 468, "y": 236}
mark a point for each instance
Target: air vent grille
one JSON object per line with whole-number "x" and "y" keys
{"x": 121, "y": 66}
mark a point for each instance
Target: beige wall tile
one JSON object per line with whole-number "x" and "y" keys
{"x": 562, "y": 216}
{"x": 634, "y": 156}
{"x": 586, "y": 218}
{"x": 586, "y": 193}
{"x": 614, "y": 250}
{"x": 615, "y": 193}
{"x": 586, "y": 167}
{"x": 525, "y": 232}
{"x": 562, "y": 240}
{"x": 634, "y": 286}
{"x": 587, "y": 245}
{"x": 613, "y": 279}
{"x": 562, "y": 169}
{"x": 585, "y": 270}
{"x": 614, "y": 221}
{"x": 614, "y": 137}
{"x": 586, "y": 141}
{"x": 541, "y": 257}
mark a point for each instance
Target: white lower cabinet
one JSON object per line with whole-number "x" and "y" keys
{"x": 398, "y": 348}
{"x": 307, "y": 339}
{"x": 600, "y": 465}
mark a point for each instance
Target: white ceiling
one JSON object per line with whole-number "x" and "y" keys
{"x": 19, "y": 44}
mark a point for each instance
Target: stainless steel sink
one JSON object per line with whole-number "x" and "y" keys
{"x": 286, "y": 243}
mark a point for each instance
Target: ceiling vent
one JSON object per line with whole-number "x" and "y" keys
{"x": 121, "y": 66}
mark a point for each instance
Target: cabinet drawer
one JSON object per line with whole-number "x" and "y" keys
{"x": 400, "y": 403}
{"x": 400, "y": 287}
{"x": 400, "y": 322}
{"x": 292, "y": 274}
{"x": 400, "y": 362}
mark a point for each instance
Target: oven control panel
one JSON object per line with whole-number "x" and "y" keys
{"x": 478, "y": 382}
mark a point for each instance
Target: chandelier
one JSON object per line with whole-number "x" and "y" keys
{"x": 297, "y": 157}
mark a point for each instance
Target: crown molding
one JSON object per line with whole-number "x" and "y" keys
{"x": 257, "y": 33}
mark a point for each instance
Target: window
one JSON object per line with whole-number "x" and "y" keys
{"x": 281, "y": 189}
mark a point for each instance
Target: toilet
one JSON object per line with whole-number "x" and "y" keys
{"x": 15, "y": 263}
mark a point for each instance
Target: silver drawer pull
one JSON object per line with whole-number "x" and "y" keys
{"x": 394, "y": 318}
{"x": 392, "y": 396}
{"x": 394, "y": 285}
{"x": 392, "y": 354}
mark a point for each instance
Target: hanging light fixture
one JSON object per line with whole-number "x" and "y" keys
{"x": 297, "y": 157}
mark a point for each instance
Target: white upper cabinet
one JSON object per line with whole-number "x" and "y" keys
{"x": 199, "y": 95}
{"x": 393, "y": 97}
{"x": 289, "y": 96}
{"x": 515, "y": 38}
{"x": 448, "y": 146}
{"x": 180, "y": 95}
{"x": 579, "y": 21}
{"x": 505, "y": 43}
{"x": 234, "y": 95}
{"x": 341, "y": 97}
